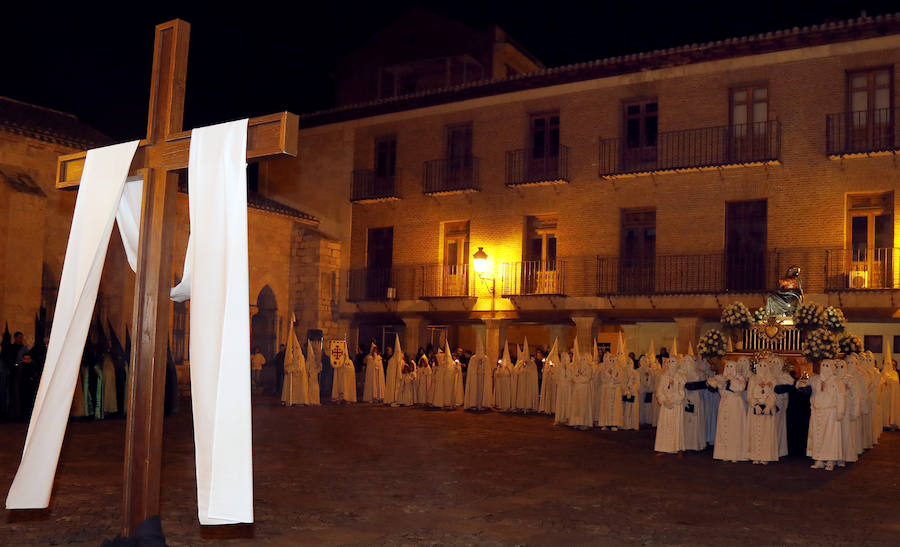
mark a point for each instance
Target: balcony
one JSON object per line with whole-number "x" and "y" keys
{"x": 523, "y": 169}
{"x": 451, "y": 176}
{"x": 687, "y": 274}
{"x": 861, "y": 269}
{"x": 367, "y": 185}
{"x": 535, "y": 277}
{"x": 442, "y": 281}
{"x": 863, "y": 132}
{"x": 708, "y": 147}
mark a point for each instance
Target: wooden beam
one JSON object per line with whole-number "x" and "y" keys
{"x": 167, "y": 82}
{"x": 267, "y": 136}
{"x": 147, "y": 376}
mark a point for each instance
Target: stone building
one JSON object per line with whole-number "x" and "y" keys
{"x": 638, "y": 193}
{"x": 293, "y": 265}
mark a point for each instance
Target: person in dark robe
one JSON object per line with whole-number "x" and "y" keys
{"x": 170, "y": 402}
{"x": 6, "y": 365}
{"x": 278, "y": 365}
{"x": 359, "y": 365}
{"x": 117, "y": 353}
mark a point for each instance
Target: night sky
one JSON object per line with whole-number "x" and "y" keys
{"x": 93, "y": 60}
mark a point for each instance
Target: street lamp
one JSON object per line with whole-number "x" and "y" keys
{"x": 480, "y": 264}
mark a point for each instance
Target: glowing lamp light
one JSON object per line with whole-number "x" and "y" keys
{"x": 479, "y": 261}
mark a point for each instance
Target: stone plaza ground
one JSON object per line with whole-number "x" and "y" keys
{"x": 374, "y": 475}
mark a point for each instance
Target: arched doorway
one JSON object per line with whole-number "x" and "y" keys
{"x": 264, "y": 323}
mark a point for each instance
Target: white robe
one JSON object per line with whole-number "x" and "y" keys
{"x": 581, "y": 405}
{"x": 647, "y": 377}
{"x": 731, "y": 420}
{"x": 612, "y": 378}
{"x": 374, "y": 388}
{"x": 406, "y": 394}
{"x": 343, "y": 388}
{"x": 671, "y": 398}
{"x": 850, "y": 424}
{"x": 295, "y": 390}
{"x": 526, "y": 382}
{"x": 631, "y": 387}
{"x": 423, "y": 382}
{"x": 547, "y": 402}
{"x": 448, "y": 385}
{"x": 827, "y": 408}
{"x": 503, "y": 388}
{"x": 392, "y": 379}
{"x": 563, "y": 376}
{"x": 479, "y": 384}
{"x": 762, "y": 433}
{"x": 890, "y": 399}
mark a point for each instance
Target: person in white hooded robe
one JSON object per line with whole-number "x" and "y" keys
{"x": 343, "y": 388}
{"x": 295, "y": 390}
{"x": 827, "y": 407}
{"x": 731, "y": 421}
{"x": 670, "y": 397}
{"x": 394, "y": 372}
{"x": 563, "y": 374}
{"x": 762, "y": 432}
{"x": 783, "y": 387}
{"x": 479, "y": 379}
{"x": 631, "y": 386}
{"x": 526, "y": 382}
{"x": 313, "y": 368}
{"x": 547, "y": 403}
{"x": 890, "y": 395}
{"x": 406, "y": 395}
{"x": 612, "y": 378}
{"x": 694, "y": 417}
{"x": 647, "y": 378}
{"x": 850, "y": 434}
{"x": 581, "y": 405}
{"x": 374, "y": 387}
{"x": 448, "y": 384}
{"x": 503, "y": 382}
{"x": 423, "y": 382}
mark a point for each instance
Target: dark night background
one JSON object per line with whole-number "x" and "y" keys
{"x": 253, "y": 58}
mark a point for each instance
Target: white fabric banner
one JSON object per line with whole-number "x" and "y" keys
{"x": 128, "y": 217}
{"x": 220, "y": 323}
{"x": 105, "y": 170}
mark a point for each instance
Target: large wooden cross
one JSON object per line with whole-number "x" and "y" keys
{"x": 158, "y": 158}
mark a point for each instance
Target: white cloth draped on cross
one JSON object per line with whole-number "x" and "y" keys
{"x": 220, "y": 330}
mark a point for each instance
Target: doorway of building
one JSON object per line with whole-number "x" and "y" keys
{"x": 264, "y": 323}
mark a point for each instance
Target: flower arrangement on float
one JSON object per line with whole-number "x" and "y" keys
{"x": 810, "y": 316}
{"x": 736, "y": 316}
{"x": 850, "y": 343}
{"x": 834, "y": 319}
{"x": 760, "y": 316}
{"x": 712, "y": 344}
{"x": 820, "y": 344}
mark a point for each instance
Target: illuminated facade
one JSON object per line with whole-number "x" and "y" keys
{"x": 636, "y": 194}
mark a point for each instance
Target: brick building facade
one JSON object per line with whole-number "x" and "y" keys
{"x": 636, "y": 194}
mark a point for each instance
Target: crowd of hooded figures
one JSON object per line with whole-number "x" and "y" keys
{"x": 740, "y": 412}
{"x": 102, "y": 377}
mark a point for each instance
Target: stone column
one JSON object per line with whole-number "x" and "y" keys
{"x": 495, "y": 330}
{"x": 559, "y": 332}
{"x": 584, "y": 329}
{"x": 413, "y": 335}
{"x": 688, "y": 332}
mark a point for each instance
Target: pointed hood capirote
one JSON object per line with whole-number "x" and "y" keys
{"x": 526, "y": 355}
{"x": 479, "y": 346}
{"x": 505, "y": 360}
{"x": 553, "y": 356}
{"x": 674, "y": 346}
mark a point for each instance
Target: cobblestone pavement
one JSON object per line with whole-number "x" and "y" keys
{"x": 374, "y": 475}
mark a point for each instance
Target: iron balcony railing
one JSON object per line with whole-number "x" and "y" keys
{"x": 865, "y": 131}
{"x": 694, "y": 148}
{"x": 443, "y": 281}
{"x": 523, "y": 168}
{"x": 688, "y": 274}
{"x": 860, "y": 269}
{"x": 367, "y": 184}
{"x": 535, "y": 277}
{"x": 442, "y": 176}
